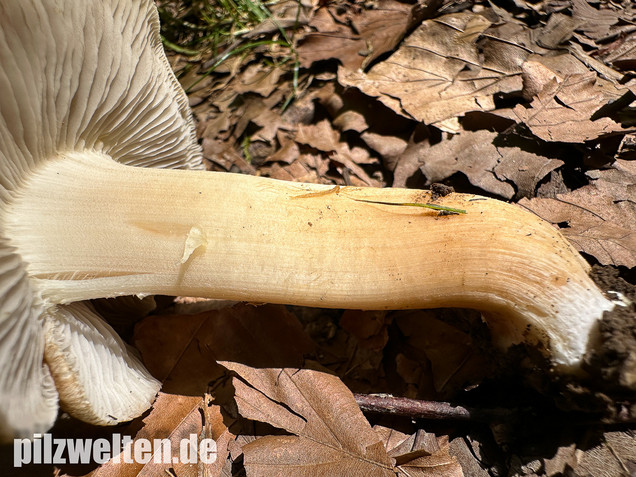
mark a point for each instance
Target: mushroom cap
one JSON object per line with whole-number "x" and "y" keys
{"x": 77, "y": 76}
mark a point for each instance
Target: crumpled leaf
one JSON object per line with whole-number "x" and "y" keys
{"x": 524, "y": 169}
{"x": 596, "y": 23}
{"x": 225, "y": 157}
{"x": 471, "y": 451}
{"x": 351, "y": 120}
{"x": 331, "y": 435}
{"x": 599, "y": 219}
{"x": 304, "y": 168}
{"x": 375, "y": 31}
{"x": 622, "y": 56}
{"x": 387, "y": 146}
{"x": 614, "y": 455}
{"x": 558, "y": 30}
{"x": 485, "y": 164}
{"x": 324, "y": 138}
{"x": 260, "y": 79}
{"x": 567, "y": 104}
{"x": 175, "y": 418}
{"x": 285, "y": 14}
{"x": 421, "y": 454}
{"x": 244, "y": 117}
{"x": 440, "y": 71}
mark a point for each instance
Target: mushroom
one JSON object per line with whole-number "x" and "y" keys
{"x": 101, "y": 197}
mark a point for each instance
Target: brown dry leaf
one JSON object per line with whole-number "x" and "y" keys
{"x": 182, "y": 351}
{"x": 469, "y": 452}
{"x": 614, "y": 456}
{"x": 387, "y": 146}
{"x": 408, "y": 163}
{"x": 599, "y": 219}
{"x": 441, "y": 72}
{"x": 224, "y": 157}
{"x": 621, "y": 54}
{"x": 175, "y": 418}
{"x": 244, "y": 114}
{"x": 324, "y": 138}
{"x": 286, "y": 14}
{"x": 627, "y": 149}
{"x": 596, "y": 23}
{"x": 420, "y": 454}
{"x": 351, "y": 120}
{"x": 354, "y": 36}
{"x": 369, "y": 327}
{"x": 359, "y": 365}
{"x": 628, "y": 167}
{"x": 539, "y": 71}
{"x": 486, "y": 165}
{"x": 567, "y": 103}
{"x": 453, "y": 357}
{"x": 288, "y": 151}
{"x": 524, "y": 169}
{"x": 331, "y": 435}
{"x": 217, "y": 121}
{"x": 472, "y": 153}
{"x": 559, "y": 28}
{"x": 399, "y": 156}
{"x": 304, "y": 168}
{"x": 259, "y": 79}
{"x": 270, "y": 124}
{"x": 253, "y": 108}
{"x": 320, "y": 136}
{"x": 415, "y": 375}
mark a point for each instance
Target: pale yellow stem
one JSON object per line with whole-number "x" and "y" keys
{"x": 88, "y": 227}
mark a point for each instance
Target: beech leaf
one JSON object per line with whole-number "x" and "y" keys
{"x": 375, "y": 31}
{"x": 439, "y": 72}
{"x": 175, "y": 418}
{"x": 599, "y": 219}
{"x": 493, "y": 168}
{"x": 567, "y": 106}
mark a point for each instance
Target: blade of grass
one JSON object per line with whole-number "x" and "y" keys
{"x": 177, "y": 48}
{"x": 233, "y": 52}
{"x": 441, "y": 208}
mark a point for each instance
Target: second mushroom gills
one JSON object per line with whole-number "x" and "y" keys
{"x": 83, "y": 219}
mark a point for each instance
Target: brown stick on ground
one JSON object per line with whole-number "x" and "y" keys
{"x": 443, "y": 411}
{"x": 417, "y": 409}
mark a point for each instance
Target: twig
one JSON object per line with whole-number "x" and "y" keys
{"x": 443, "y": 411}
{"x": 435, "y": 410}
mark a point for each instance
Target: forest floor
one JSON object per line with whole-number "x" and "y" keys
{"x": 530, "y": 102}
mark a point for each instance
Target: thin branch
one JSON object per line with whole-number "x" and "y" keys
{"x": 444, "y": 411}
{"x": 435, "y": 410}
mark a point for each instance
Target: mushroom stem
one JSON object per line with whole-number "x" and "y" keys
{"x": 89, "y": 227}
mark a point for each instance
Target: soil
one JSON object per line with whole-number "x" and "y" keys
{"x": 614, "y": 359}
